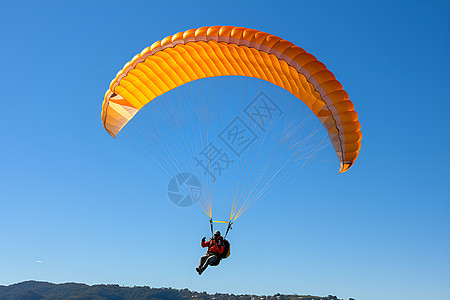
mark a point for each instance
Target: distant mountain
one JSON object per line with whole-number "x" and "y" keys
{"x": 35, "y": 290}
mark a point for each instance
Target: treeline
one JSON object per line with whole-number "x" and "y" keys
{"x": 34, "y": 290}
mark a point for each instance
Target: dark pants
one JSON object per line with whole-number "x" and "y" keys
{"x": 208, "y": 259}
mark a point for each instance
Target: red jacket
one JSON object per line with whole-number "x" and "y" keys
{"x": 213, "y": 247}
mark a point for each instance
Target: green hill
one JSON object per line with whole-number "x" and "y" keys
{"x": 34, "y": 290}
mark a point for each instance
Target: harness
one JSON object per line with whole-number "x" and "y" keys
{"x": 226, "y": 244}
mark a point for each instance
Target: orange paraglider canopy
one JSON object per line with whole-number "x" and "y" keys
{"x": 234, "y": 51}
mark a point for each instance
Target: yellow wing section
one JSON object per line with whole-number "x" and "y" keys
{"x": 228, "y": 50}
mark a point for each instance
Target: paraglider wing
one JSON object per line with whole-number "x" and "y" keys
{"x": 236, "y": 51}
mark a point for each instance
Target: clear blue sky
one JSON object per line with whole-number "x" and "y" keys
{"x": 381, "y": 230}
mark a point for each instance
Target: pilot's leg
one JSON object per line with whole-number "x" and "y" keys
{"x": 201, "y": 263}
{"x": 212, "y": 258}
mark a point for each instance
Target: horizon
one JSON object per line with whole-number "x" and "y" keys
{"x": 170, "y": 288}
